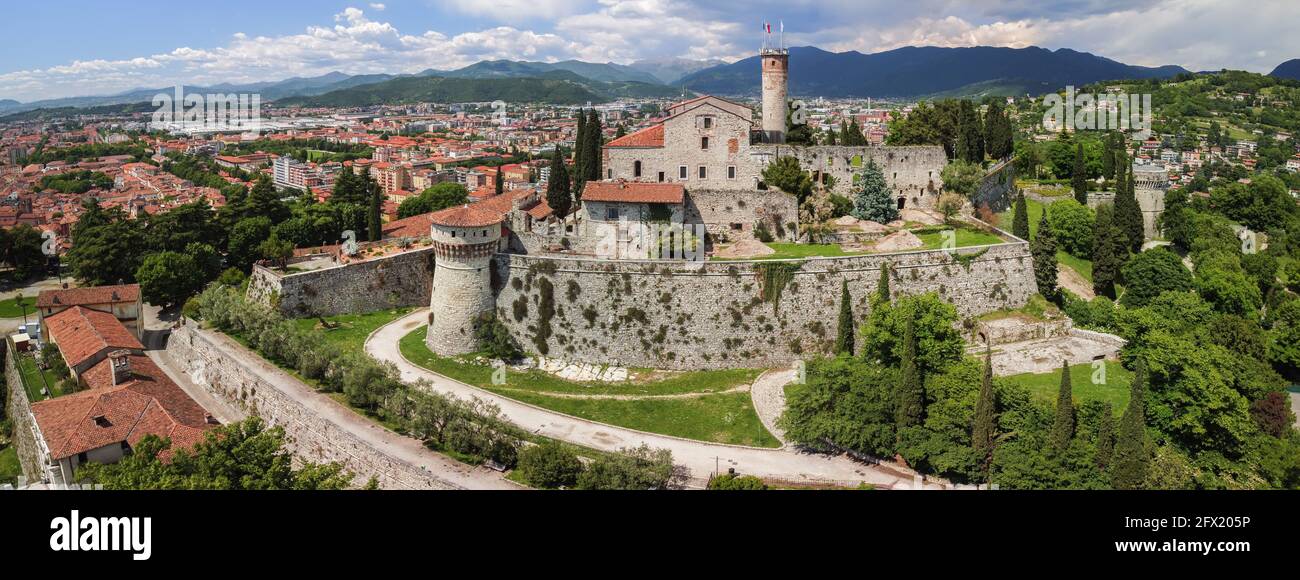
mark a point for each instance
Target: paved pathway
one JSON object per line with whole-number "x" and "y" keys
{"x": 390, "y": 443}
{"x": 1295, "y": 407}
{"x": 768, "y": 394}
{"x": 699, "y": 458}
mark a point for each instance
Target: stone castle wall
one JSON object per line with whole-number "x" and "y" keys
{"x": 912, "y": 172}
{"x": 721, "y": 211}
{"x": 998, "y": 188}
{"x": 314, "y": 438}
{"x": 679, "y": 315}
{"x": 19, "y": 410}
{"x": 399, "y": 280}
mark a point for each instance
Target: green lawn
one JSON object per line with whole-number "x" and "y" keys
{"x": 31, "y": 376}
{"x": 1080, "y": 265}
{"x": 787, "y": 251}
{"x": 10, "y": 468}
{"x": 721, "y": 418}
{"x": 1045, "y": 386}
{"x": 352, "y": 329}
{"x": 965, "y": 237}
{"x": 9, "y": 308}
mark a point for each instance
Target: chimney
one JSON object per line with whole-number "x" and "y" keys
{"x": 121, "y": 363}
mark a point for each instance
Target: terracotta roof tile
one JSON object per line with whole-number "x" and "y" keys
{"x": 652, "y": 136}
{"x": 81, "y": 333}
{"x": 634, "y": 192}
{"x": 83, "y": 296}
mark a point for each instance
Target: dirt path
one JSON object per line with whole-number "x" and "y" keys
{"x": 1068, "y": 278}
{"x": 769, "y": 399}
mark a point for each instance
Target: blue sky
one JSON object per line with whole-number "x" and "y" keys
{"x": 60, "y": 48}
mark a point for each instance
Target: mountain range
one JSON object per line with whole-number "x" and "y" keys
{"x": 904, "y": 72}
{"x": 925, "y": 71}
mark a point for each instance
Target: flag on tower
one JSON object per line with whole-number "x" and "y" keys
{"x": 767, "y": 26}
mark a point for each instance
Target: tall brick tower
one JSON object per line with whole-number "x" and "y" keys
{"x": 776, "y": 76}
{"x": 464, "y": 240}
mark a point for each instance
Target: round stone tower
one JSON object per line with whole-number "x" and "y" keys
{"x": 776, "y": 76}
{"x": 464, "y": 240}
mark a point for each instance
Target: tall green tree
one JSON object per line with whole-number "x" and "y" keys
{"x": 1109, "y": 252}
{"x": 1079, "y": 177}
{"x": 264, "y": 200}
{"x": 1108, "y": 157}
{"x": 375, "y": 212}
{"x": 1105, "y": 437}
{"x": 983, "y": 430}
{"x": 558, "y": 193}
{"x": 874, "y": 202}
{"x": 882, "y": 287}
{"x": 580, "y": 147}
{"x": 999, "y": 135}
{"x": 970, "y": 133}
{"x": 1128, "y": 214}
{"x": 909, "y": 398}
{"x": 1020, "y": 218}
{"x": 1043, "y": 249}
{"x": 1131, "y": 458}
{"x": 594, "y": 140}
{"x": 844, "y": 334}
{"x": 1063, "y": 426}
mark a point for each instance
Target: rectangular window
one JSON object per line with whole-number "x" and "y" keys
{"x": 661, "y": 177}
{"x": 611, "y": 214}
{"x": 708, "y": 122}
{"x": 704, "y": 173}
{"x": 731, "y": 172}
{"x": 681, "y": 172}
{"x": 704, "y": 142}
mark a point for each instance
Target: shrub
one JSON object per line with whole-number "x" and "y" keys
{"x": 549, "y": 466}
{"x": 639, "y": 468}
{"x": 733, "y": 482}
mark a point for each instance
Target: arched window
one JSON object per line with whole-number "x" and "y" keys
{"x": 636, "y": 168}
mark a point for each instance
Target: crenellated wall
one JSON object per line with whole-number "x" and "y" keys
{"x": 681, "y": 315}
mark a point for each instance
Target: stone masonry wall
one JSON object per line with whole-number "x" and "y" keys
{"x": 679, "y": 315}
{"x": 912, "y": 172}
{"x": 404, "y": 279}
{"x": 314, "y": 438}
{"x": 998, "y": 188}
{"x": 720, "y": 209}
{"x": 19, "y": 410}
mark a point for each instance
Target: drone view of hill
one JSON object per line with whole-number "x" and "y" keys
{"x": 924, "y": 71}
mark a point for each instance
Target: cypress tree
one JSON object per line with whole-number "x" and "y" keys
{"x": 1063, "y": 427}
{"x": 557, "y": 188}
{"x": 579, "y": 149}
{"x": 882, "y": 288}
{"x": 1079, "y": 177}
{"x": 1109, "y": 252}
{"x": 1108, "y": 157}
{"x": 595, "y": 140}
{"x": 982, "y": 432}
{"x": 1020, "y": 219}
{"x": 844, "y": 336}
{"x": 500, "y": 181}
{"x": 1128, "y": 215}
{"x": 1130, "y": 458}
{"x": 1043, "y": 248}
{"x": 909, "y": 399}
{"x": 1105, "y": 437}
{"x": 374, "y": 221}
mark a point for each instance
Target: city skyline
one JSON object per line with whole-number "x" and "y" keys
{"x": 104, "y": 51}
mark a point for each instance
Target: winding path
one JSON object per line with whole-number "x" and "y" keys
{"x": 786, "y": 464}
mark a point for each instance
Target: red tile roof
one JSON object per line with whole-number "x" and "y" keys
{"x": 147, "y": 404}
{"x": 417, "y": 226}
{"x": 465, "y": 216}
{"x": 82, "y": 333}
{"x": 634, "y": 192}
{"x": 652, "y": 136}
{"x": 87, "y": 296}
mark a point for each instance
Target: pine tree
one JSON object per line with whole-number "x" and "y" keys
{"x": 1020, "y": 219}
{"x": 1105, "y": 437}
{"x": 1109, "y": 252}
{"x": 854, "y": 136}
{"x": 882, "y": 288}
{"x": 874, "y": 202}
{"x": 844, "y": 336}
{"x": 1079, "y": 177}
{"x": 1131, "y": 459}
{"x": 1063, "y": 427}
{"x": 1043, "y": 248}
{"x": 557, "y": 188}
{"x": 982, "y": 432}
{"x": 909, "y": 399}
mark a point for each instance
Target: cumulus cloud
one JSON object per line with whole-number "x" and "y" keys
{"x": 1198, "y": 34}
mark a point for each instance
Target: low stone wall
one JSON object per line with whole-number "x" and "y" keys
{"x": 998, "y": 188}
{"x": 400, "y": 280}
{"x": 725, "y": 212}
{"x": 314, "y": 438}
{"x": 19, "y": 410}
{"x": 695, "y": 315}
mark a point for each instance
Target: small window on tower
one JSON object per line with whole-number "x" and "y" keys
{"x": 704, "y": 142}
{"x": 708, "y": 122}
